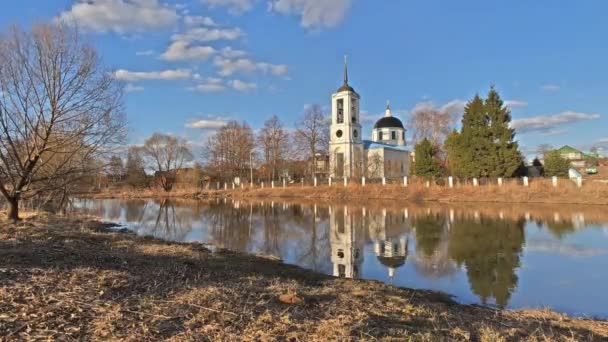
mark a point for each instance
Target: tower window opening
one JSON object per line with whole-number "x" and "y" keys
{"x": 340, "y": 105}
{"x": 380, "y": 137}
{"x": 393, "y": 135}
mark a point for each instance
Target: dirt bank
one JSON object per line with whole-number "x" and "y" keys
{"x": 538, "y": 191}
{"x": 74, "y": 279}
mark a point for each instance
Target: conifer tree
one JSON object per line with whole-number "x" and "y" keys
{"x": 504, "y": 159}
{"x": 426, "y": 164}
{"x": 485, "y": 146}
{"x": 556, "y": 165}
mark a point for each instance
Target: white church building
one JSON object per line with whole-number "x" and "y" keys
{"x": 386, "y": 155}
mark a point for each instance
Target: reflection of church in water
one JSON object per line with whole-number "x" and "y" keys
{"x": 351, "y": 228}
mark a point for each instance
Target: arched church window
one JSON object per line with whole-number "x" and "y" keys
{"x": 355, "y": 133}
{"x": 380, "y": 136}
{"x": 340, "y": 105}
{"x": 339, "y": 133}
{"x": 393, "y": 135}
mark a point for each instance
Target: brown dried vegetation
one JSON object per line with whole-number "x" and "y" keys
{"x": 69, "y": 279}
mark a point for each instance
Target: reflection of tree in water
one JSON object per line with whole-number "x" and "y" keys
{"x": 313, "y": 252}
{"x": 429, "y": 232}
{"x": 432, "y": 241}
{"x": 490, "y": 250}
{"x": 170, "y": 221}
{"x": 113, "y": 210}
{"x": 230, "y": 225}
{"x": 135, "y": 210}
{"x": 561, "y": 229}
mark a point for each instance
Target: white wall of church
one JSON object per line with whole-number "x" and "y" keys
{"x": 346, "y": 144}
{"x": 386, "y": 135}
{"x": 388, "y": 163}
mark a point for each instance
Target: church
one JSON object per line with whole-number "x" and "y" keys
{"x": 386, "y": 155}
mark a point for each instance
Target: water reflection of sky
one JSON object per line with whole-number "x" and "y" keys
{"x": 543, "y": 258}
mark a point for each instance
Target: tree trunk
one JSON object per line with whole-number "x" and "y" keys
{"x": 13, "y": 209}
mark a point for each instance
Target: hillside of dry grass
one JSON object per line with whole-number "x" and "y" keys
{"x": 69, "y": 279}
{"x": 539, "y": 191}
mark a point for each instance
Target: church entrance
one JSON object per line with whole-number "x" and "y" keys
{"x": 339, "y": 165}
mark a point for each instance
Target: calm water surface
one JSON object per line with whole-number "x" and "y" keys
{"x": 513, "y": 257}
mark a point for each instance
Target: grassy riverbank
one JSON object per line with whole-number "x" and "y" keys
{"x": 539, "y": 191}
{"x": 73, "y": 278}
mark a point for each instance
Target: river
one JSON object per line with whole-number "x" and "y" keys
{"x": 509, "y": 256}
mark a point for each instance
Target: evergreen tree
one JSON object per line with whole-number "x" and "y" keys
{"x": 537, "y": 164}
{"x": 426, "y": 164}
{"x": 556, "y": 165}
{"x": 135, "y": 169}
{"x": 504, "y": 159}
{"x": 485, "y": 146}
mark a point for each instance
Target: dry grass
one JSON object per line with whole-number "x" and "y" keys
{"x": 73, "y": 279}
{"x": 539, "y": 191}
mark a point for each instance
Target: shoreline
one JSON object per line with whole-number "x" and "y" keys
{"x": 107, "y": 284}
{"x": 538, "y": 192}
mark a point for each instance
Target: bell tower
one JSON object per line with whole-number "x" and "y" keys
{"x": 346, "y": 145}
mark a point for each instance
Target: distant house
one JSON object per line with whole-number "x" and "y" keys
{"x": 570, "y": 153}
{"x": 577, "y": 158}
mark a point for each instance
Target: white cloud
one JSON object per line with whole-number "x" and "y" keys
{"x": 549, "y": 122}
{"x": 197, "y": 20}
{"x": 182, "y": 51}
{"x": 120, "y": 15}
{"x": 551, "y": 88}
{"x": 275, "y": 69}
{"x": 234, "y": 6}
{"x": 205, "y": 34}
{"x": 554, "y": 132}
{"x": 182, "y": 47}
{"x": 229, "y": 52}
{"x": 313, "y": 13}
{"x": 177, "y": 74}
{"x": 145, "y": 53}
{"x": 454, "y": 107}
{"x": 228, "y": 66}
{"x": 210, "y": 88}
{"x": 516, "y": 104}
{"x": 243, "y": 86}
{"x": 211, "y": 85}
{"x": 130, "y": 88}
{"x": 209, "y": 123}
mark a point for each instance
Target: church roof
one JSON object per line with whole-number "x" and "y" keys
{"x": 388, "y": 122}
{"x": 394, "y": 262}
{"x": 346, "y": 86}
{"x": 370, "y": 145}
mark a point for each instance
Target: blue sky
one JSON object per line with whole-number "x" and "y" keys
{"x": 199, "y": 63}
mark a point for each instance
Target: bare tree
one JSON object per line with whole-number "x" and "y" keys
{"x": 60, "y": 110}
{"x": 434, "y": 124}
{"x": 165, "y": 155}
{"x": 135, "y": 168}
{"x": 312, "y": 134}
{"x": 229, "y": 151}
{"x": 273, "y": 140}
{"x": 375, "y": 166}
{"x": 543, "y": 149}
{"x": 116, "y": 169}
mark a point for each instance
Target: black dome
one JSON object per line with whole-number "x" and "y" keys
{"x": 389, "y": 122}
{"x": 346, "y": 87}
{"x": 394, "y": 262}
